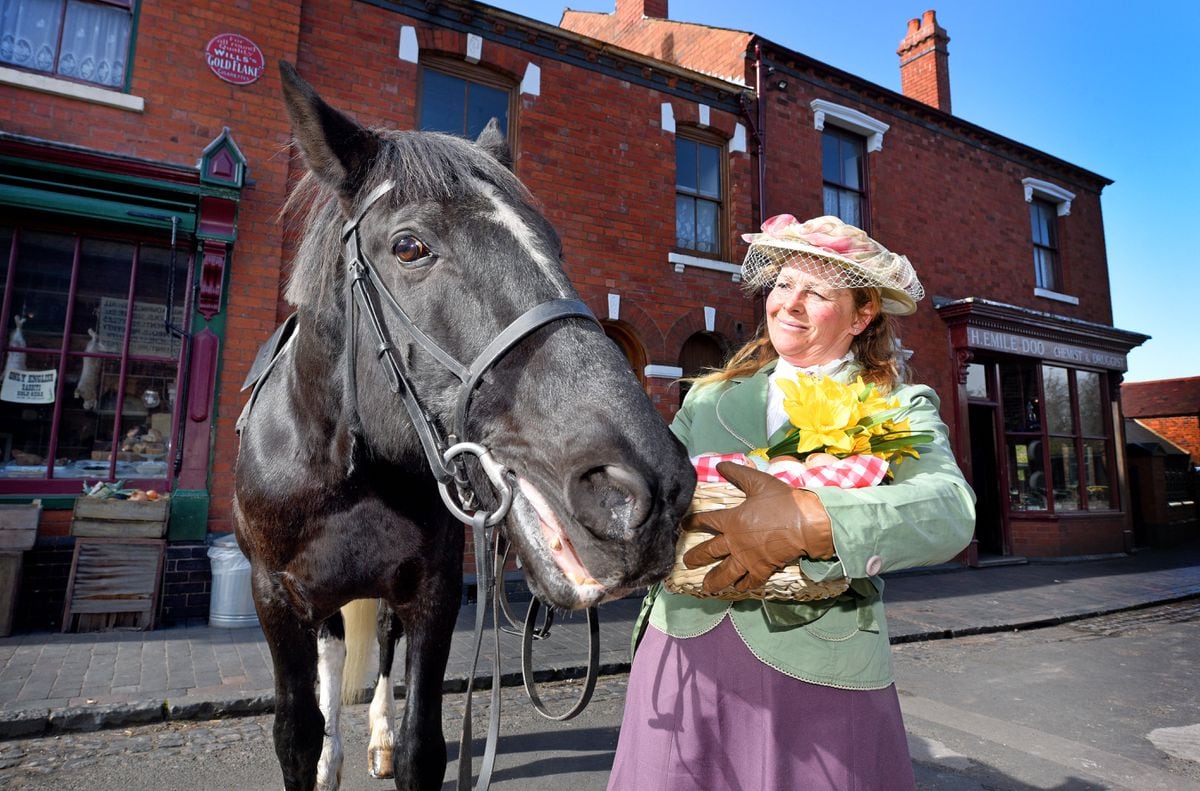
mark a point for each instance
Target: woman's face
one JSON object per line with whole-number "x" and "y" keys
{"x": 811, "y": 323}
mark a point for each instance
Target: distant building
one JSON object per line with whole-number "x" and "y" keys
{"x": 143, "y": 162}
{"x": 1169, "y": 408}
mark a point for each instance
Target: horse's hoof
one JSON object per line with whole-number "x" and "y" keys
{"x": 380, "y": 760}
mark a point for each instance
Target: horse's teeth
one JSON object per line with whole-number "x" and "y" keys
{"x": 556, "y": 544}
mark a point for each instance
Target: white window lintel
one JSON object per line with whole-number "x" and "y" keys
{"x": 1052, "y": 192}
{"x": 682, "y": 261}
{"x": 850, "y": 119}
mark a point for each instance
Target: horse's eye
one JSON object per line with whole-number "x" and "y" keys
{"x": 409, "y": 249}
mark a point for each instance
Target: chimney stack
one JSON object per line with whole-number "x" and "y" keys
{"x": 925, "y": 62}
{"x": 632, "y": 11}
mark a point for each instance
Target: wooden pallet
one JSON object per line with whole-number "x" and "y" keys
{"x": 114, "y": 584}
{"x": 112, "y": 518}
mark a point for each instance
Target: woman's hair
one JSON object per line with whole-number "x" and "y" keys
{"x": 875, "y": 349}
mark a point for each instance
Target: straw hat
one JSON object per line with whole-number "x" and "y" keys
{"x": 840, "y": 254}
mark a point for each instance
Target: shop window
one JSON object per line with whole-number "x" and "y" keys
{"x": 1057, "y": 438}
{"x": 844, "y": 172}
{"x": 91, "y": 368}
{"x": 698, "y": 195}
{"x": 461, "y": 101}
{"x": 76, "y": 39}
{"x": 1046, "y": 266}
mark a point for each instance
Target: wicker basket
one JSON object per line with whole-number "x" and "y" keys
{"x": 787, "y": 584}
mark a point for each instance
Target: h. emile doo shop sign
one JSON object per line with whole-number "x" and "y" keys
{"x": 234, "y": 58}
{"x": 980, "y": 325}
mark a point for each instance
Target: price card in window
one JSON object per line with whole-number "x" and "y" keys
{"x": 28, "y": 387}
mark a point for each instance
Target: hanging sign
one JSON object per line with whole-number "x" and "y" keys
{"x": 28, "y": 387}
{"x": 234, "y": 58}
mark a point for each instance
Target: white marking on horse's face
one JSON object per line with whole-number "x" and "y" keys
{"x": 506, "y": 217}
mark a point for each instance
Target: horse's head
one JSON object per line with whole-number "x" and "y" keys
{"x": 599, "y": 481}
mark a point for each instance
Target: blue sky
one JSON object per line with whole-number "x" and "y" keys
{"x": 1111, "y": 87}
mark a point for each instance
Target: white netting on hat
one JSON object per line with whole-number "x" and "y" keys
{"x": 840, "y": 255}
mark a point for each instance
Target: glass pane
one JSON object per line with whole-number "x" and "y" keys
{"x": 1026, "y": 479}
{"x": 483, "y": 104}
{"x": 1018, "y": 394}
{"x": 1037, "y": 221}
{"x": 1065, "y": 468}
{"x": 95, "y": 42}
{"x": 1095, "y": 471}
{"x": 1091, "y": 403}
{"x": 850, "y": 204}
{"x": 1057, "y": 389}
{"x": 831, "y": 201}
{"x": 26, "y": 409}
{"x": 685, "y": 222}
{"x": 102, "y": 297}
{"x": 976, "y": 381}
{"x": 851, "y": 165}
{"x": 831, "y": 159}
{"x": 29, "y": 32}
{"x": 1043, "y": 266}
{"x": 145, "y": 417}
{"x": 707, "y": 226}
{"x": 710, "y": 170}
{"x": 149, "y": 336}
{"x": 685, "y": 164}
{"x": 40, "y": 290}
{"x": 443, "y": 102}
{"x": 6, "y": 234}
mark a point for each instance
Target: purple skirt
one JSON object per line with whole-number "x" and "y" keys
{"x": 705, "y": 714}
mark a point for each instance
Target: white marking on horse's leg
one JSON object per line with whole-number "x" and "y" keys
{"x": 331, "y": 655}
{"x": 379, "y": 750}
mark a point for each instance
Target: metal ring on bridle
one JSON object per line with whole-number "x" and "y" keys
{"x": 496, "y": 473}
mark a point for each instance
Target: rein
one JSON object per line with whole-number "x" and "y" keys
{"x": 364, "y": 291}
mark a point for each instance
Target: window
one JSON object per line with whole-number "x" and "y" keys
{"x": 1043, "y": 219}
{"x": 844, "y": 171}
{"x": 1057, "y": 438}
{"x": 91, "y": 370}
{"x": 698, "y": 196}
{"x": 85, "y": 41}
{"x": 461, "y": 104}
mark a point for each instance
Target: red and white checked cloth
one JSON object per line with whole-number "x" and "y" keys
{"x": 852, "y": 472}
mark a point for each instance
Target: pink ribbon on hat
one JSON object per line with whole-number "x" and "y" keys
{"x": 787, "y": 227}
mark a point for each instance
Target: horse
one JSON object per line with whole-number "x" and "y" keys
{"x": 365, "y": 437}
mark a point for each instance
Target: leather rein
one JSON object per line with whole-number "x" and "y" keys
{"x": 364, "y": 291}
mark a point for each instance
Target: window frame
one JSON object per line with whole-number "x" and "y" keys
{"x": 80, "y": 235}
{"x": 705, "y": 137}
{"x": 1043, "y": 221}
{"x": 846, "y": 137}
{"x": 470, "y": 73}
{"x": 134, "y": 9}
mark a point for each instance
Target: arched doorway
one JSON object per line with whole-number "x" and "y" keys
{"x": 630, "y": 346}
{"x": 701, "y": 352}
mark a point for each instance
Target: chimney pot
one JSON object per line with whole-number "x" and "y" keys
{"x": 925, "y": 62}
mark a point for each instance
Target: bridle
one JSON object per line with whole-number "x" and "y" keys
{"x": 364, "y": 287}
{"x": 445, "y": 454}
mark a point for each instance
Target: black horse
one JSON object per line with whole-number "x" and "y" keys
{"x": 420, "y": 250}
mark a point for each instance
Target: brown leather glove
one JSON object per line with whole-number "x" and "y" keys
{"x": 774, "y": 526}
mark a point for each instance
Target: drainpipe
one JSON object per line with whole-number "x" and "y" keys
{"x": 760, "y": 134}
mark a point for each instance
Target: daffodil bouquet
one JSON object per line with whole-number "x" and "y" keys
{"x": 842, "y": 420}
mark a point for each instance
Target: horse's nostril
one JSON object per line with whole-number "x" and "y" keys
{"x": 610, "y": 500}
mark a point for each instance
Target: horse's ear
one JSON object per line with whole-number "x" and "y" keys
{"x": 491, "y": 140}
{"x": 337, "y": 150}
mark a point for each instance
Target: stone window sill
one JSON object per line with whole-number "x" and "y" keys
{"x": 681, "y": 262}
{"x": 74, "y": 90}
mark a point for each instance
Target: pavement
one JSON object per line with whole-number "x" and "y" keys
{"x": 57, "y": 683}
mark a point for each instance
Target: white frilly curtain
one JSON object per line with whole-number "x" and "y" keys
{"x": 95, "y": 38}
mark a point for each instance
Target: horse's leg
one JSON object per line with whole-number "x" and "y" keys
{"x": 299, "y": 725}
{"x": 331, "y": 656}
{"x": 379, "y": 751}
{"x": 420, "y": 756}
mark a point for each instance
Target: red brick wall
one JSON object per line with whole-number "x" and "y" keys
{"x": 1162, "y": 398}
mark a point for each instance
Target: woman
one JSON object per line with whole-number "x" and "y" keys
{"x": 785, "y": 695}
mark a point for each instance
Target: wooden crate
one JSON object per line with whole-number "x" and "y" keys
{"x": 109, "y": 518}
{"x": 18, "y": 526}
{"x": 114, "y": 584}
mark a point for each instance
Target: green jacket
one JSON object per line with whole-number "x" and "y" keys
{"x": 924, "y": 516}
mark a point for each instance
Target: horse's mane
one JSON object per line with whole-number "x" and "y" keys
{"x": 426, "y": 166}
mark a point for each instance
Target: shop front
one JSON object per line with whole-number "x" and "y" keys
{"x": 1039, "y": 430}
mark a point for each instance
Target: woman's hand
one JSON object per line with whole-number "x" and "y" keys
{"x": 774, "y": 526}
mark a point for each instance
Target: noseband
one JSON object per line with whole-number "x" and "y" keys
{"x": 364, "y": 288}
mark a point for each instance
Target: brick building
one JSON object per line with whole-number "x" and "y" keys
{"x": 1169, "y": 408}
{"x": 1008, "y": 240}
{"x": 144, "y": 161}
